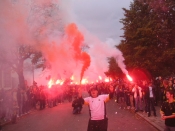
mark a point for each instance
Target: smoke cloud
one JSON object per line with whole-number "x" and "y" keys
{"x": 52, "y": 27}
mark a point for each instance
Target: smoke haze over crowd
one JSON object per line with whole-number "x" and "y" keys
{"x": 75, "y": 37}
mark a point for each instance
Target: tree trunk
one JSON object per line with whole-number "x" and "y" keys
{"x": 21, "y": 75}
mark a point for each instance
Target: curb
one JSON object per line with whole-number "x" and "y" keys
{"x": 150, "y": 122}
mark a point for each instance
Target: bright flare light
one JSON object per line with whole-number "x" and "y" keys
{"x": 84, "y": 81}
{"x": 106, "y": 80}
{"x": 58, "y": 82}
{"x": 50, "y": 83}
{"x": 61, "y": 83}
{"x": 72, "y": 78}
{"x": 100, "y": 77}
{"x": 129, "y": 77}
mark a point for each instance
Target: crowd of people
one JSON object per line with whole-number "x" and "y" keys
{"x": 144, "y": 95}
{"x": 18, "y": 101}
{"x": 139, "y": 96}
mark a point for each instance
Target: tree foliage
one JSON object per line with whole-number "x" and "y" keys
{"x": 148, "y": 41}
{"x": 113, "y": 70}
{"x": 15, "y": 58}
{"x": 41, "y": 20}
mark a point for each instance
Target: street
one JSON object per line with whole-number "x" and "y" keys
{"x": 60, "y": 118}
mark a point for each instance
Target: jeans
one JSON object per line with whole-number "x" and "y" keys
{"x": 122, "y": 102}
{"x": 131, "y": 98}
{"x": 138, "y": 103}
{"x": 127, "y": 99}
{"x": 77, "y": 110}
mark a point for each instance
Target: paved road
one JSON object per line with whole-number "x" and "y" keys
{"x": 59, "y": 118}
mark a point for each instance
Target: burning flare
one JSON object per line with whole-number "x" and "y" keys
{"x": 100, "y": 77}
{"x": 50, "y": 83}
{"x": 106, "y": 79}
{"x": 84, "y": 81}
{"x": 53, "y": 82}
{"x": 129, "y": 77}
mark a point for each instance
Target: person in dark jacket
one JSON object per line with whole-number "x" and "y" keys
{"x": 150, "y": 94}
{"x": 42, "y": 99}
{"x": 77, "y": 105}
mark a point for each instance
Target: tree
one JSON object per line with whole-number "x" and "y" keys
{"x": 37, "y": 21}
{"x": 15, "y": 59}
{"x": 113, "y": 70}
{"x": 148, "y": 41}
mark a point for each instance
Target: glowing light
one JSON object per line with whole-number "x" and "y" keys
{"x": 53, "y": 82}
{"x": 106, "y": 80}
{"x": 84, "y": 81}
{"x": 58, "y": 82}
{"x": 129, "y": 77}
{"x": 61, "y": 83}
{"x": 50, "y": 83}
{"x": 72, "y": 78}
{"x": 100, "y": 77}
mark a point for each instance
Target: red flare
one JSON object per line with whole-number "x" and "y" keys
{"x": 129, "y": 77}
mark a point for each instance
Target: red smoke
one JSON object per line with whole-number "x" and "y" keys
{"x": 77, "y": 39}
{"x": 86, "y": 63}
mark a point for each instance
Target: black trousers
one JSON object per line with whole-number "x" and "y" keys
{"x": 151, "y": 103}
{"x": 98, "y": 125}
{"x": 42, "y": 104}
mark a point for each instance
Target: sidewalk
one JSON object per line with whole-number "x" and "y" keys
{"x": 157, "y": 122}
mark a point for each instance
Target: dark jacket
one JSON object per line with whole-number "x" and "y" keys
{"x": 147, "y": 92}
{"x": 77, "y": 103}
